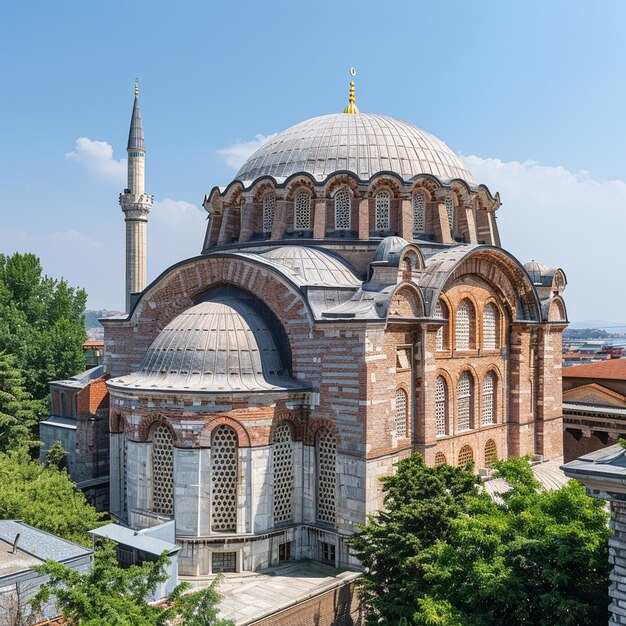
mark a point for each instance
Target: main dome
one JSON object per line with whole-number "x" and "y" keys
{"x": 362, "y": 143}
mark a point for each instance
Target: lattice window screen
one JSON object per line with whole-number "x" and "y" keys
{"x": 343, "y": 209}
{"x": 269, "y": 209}
{"x": 419, "y": 212}
{"x": 162, "y": 471}
{"x": 488, "y": 412}
{"x": 441, "y": 406}
{"x": 491, "y": 452}
{"x": 462, "y": 326}
{"x": 401, "y": 412}
{"x": 283, "y": 474}
{"x": 441, "y": 310}
{"x": 464, "y": 400}
{"x": 302, "y": 211}
{"x": 490, "y": 327}
{"x": 224, "y": 480}
{"x": 449, "y": 202}
{"x": 466, "y": 455}
{"x": 440, "y": 458}
{"x": 327, "y": 476}
{"x": 383, "y": 203}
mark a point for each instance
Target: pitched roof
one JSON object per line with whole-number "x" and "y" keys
{"x": 568, "y": 394}
{"x": 614, "y": 369}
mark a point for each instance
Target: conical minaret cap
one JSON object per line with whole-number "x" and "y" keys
{"x": 135, "y": 136}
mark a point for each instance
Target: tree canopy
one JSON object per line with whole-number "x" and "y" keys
{"x": 41, "y": 322}
{"x": 44, "y": 497}
{"x": 443, "y": 552}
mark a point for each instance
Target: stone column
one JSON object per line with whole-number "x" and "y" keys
{"x": 280, "y": 218}
{"x": 405, "y": 215}
{"x": 364, "y": 218}
{"x": 472, "y": 235}
{"x": 224, "y": 226}
{"x": 319, "y": 218}
{"x": 247, "y": 220}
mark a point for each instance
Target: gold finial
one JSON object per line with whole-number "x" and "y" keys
{"x": 136, "y": 87}
{"x": 351, "y": 108}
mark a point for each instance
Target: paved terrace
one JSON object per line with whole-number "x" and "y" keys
{"x": 250, "y": 596}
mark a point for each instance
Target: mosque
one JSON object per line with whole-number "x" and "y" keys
{"x": 351, "y": 305}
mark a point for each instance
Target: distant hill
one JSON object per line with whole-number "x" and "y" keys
{"x": 94, "y": 327}
{"x": 618, "y": 326}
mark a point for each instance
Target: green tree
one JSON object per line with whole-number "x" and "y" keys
{"x": 19, "y": 413}
{"x": 44, "y": 497}
{"x": 56, "y": 456}
{"x": 41, "y": 322}
{"x": 116, "y": 596}
{"x": 444, "y": 553}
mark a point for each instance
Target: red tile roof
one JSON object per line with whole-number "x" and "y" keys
{"x": 94, "y": 343}
{"x": 596, "y": 386}
{"x": 613, "y": 369}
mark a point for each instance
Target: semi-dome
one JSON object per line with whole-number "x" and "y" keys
{"x": 362, "y": 143}
{"x": 389, "y": 249}
{"x": 215, "y": 346}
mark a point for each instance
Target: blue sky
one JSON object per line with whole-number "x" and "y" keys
{"x": 532, "y": 94}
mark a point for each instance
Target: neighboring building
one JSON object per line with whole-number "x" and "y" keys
{"x": 79, "y": 420}
{"x": 94, "y": 352}
{"x": 594, "y": 406}
{"x": 22, "y": 547}
{"x": 352, "y": 305}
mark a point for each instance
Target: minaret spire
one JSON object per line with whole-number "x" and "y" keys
{"x": 136, "y": 205}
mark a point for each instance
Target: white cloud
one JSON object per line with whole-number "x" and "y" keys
{"x": 237, "y": 153}
{"x": 566, "y": 220}
{"x": 97, "y": 157}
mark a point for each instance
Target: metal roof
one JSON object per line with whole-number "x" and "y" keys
{"x": 389, "y": 250}
{"x": 362, "y": 143}
{"x": 135, "y": 135}
{"x": 220, "y": 345}
{"x": 135, "y": 539}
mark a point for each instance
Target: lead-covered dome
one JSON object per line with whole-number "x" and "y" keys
{"x": 214, "y": 346}
{"x": 362, "y": 143}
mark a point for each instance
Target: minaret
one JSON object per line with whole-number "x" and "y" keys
{"x": 136, "y": 206}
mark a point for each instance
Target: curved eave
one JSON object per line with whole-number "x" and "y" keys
{"x": 247, "y": 185}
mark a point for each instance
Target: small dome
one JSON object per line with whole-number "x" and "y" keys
{"x": 362, "y": 143}
{"x": 314, "y": 266}
{"x": 536, "y": 270}
{"x": 221, "y": 345}
{"x": 389, "y": 250}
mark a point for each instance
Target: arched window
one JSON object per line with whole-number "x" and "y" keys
{"x": 490, "y": 327}
{"x": 491, "y": 452}
{"x": 463, "y": 326}
{"x": 283, "y": 474}
{"x": 224, "y": 480}
{"x": 419, "y": 212}
{"x": 162, "y": 471}
{"x": 449, "y": 202}
{"x": 441, "y": 310}
{"x": 302, "y": 211}
{"x": 489, "y": 400}
{"x": 269, "y": 209}
{"x": 440, "y": 458}
{"x": 326, "y": 449}
{"x": 466, "y": 456}
{"x": 441, "y": 406}
{"x": 401, "y": 413}
{"x": 383, "y": 204}
{"x": 465, "y": 402}
{"x": 343, "y": 209}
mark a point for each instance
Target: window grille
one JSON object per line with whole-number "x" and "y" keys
{"x": 464, "y": 402}
{"x": 343, "y": 209}
{"x": 441, "y": 406}
{"x": 269, "y": 209}
{"x": 466, "y": 455}
{"x": 224, "y": 562}
{"x": 491, "y": 452}
{"x": 383, "y": 203}
{"x": 302, "y": 211}
{"x": 283, "y": 474}
{"x": 327, "y": 476}
{"x": 224, "y": 479}
{"x": 490, "y": 327}
{"x": 440, "y": 458}
{"x": 419, "y": 212}
{"x": 489, "y": 397}
{"x": 449, "y": 202}
{"x": 162, "y": 471}
{"x": 284, "y": 551}
{"x": 401, "y": 413}
{"x": 463, "y": 322}
{"x": 441, "y": 310}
